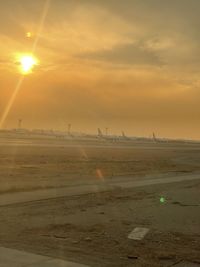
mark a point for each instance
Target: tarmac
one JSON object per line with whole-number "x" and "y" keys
{"x": 15, "y": 258}
{"x": 43, "y": 194}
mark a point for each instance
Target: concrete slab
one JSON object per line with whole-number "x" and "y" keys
{"x": 138, "y": 233}
{"x": 187, "y": 264}
{"x": 16, "y": 258}
{"x": 56, "y": 263}
{"x": 167, "y": 263}
{"x": 42, "y": 194}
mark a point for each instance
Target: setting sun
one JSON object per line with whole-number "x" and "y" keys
{"x": 27, "y": 62}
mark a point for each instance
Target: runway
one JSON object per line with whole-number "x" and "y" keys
{"x": 44, "y": 194}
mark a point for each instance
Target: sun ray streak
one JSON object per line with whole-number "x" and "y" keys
{"x": 41, "y": 25}
{"x": 20, "y": 81}
{"x": 11, "y": 100}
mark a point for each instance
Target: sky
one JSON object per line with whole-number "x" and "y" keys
{"x": 127, "y": 65}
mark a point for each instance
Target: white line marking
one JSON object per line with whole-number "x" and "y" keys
{"x": 138, "y": 233}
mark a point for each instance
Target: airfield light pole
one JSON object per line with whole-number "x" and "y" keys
{"x": 69, "y": 129}
{"x": 19, "y": 123}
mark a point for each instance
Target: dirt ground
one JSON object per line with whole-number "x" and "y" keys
{"x": 93, "y": 228}
{"x": 42, "y": 164}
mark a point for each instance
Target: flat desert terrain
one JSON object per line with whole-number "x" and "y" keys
{"x": 92, "y": 226}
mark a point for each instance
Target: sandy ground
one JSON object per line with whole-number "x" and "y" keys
{"x": 93, "y": 228}
{"x": 26, "y": 165}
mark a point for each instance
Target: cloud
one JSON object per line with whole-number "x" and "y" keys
{"x": 130, "y": 54}
{"x": 112, "y": 61}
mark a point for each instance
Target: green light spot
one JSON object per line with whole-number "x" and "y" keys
{"x": 162, "y": 200}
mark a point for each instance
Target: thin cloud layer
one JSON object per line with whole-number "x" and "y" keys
{"x": 120, "y": 64}
{"x": 130, "y": 54}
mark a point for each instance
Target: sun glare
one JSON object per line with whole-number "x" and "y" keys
{"x": 27, "y": 62}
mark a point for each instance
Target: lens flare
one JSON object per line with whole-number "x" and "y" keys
{"x": 99, "y": 174}
{"x": 162, "y": 200}
{"x": 28, "y": 34}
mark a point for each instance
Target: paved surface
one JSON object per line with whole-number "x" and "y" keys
{"x": 95, "y": 143}
{"x": 186, "y": 264}
{"x": 21, "y": 197}
{"x": 15, "y": 258}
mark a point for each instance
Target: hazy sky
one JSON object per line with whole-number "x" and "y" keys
{"x": 129, "y": 65}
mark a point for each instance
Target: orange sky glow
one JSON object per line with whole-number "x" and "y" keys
{"x": 127, "y": 65}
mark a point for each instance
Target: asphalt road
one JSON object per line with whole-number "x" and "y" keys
{"x": 21, "y": 197}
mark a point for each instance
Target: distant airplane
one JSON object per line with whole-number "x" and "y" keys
{"x": 106, "y": 136}
{"x": 69, "y": 129}
{"x": 112, "y": 138}
{"x": 124, "y": 136}
{"x": 159, "y": 140}
{"x": 154, "y": 138}
{"x": 100, "y": 133}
